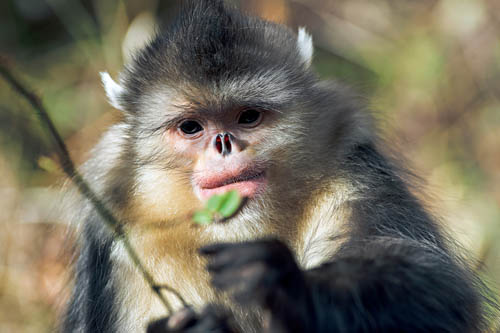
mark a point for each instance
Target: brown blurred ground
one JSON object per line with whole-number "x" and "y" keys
{"x": 429, "y": 68}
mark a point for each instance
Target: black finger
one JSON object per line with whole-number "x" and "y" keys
{"x": 215, "y": 248}
{"x": 237, "y": 257}
{"x": 252, "y": 291}
{"x": 239, "y": 278}
{"x": 182, "y": 319}
{"x": 211, "y": 320}
{"x": 158, "y": 326}
{"x": 226, "y": 280}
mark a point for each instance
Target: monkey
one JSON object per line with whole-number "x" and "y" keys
{"x": 330, "y": 238}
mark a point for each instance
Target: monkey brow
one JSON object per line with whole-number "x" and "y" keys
{"x": 196, "y": 110}
{"x": 185, "y": 112}
{"x": 172, "y": 122}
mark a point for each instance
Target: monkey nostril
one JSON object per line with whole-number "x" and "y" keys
{"x": 223, "y": 143}
{"x": 218, "y": 143}
{"x": 227, "y": 142}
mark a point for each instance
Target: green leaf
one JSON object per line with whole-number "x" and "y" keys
{"x": 215, "y": 202}
{"x": 230, "y": 203}
{"x": 203, "y": 217}
{"x": 218, "y": 207}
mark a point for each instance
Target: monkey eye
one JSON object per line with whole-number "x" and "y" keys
{"x": 250, "y": 117}
{"x": 190, "y": 127}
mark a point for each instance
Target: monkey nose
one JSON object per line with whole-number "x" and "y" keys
{"x": 223, "y": 143}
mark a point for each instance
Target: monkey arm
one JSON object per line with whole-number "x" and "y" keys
{"x": 264, "y": 273}
{"x": 392, "y": 285}
{"x": 377, "y": 285}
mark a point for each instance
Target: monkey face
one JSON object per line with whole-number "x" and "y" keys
{"x": 222, "y": 149}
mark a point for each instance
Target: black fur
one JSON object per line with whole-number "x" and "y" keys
{"x": 92, "y": 304}
{"x": 208, "y": 45}
{"x": 394, "y": 271}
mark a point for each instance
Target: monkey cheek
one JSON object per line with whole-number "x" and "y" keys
{"x": 247, "y": 189}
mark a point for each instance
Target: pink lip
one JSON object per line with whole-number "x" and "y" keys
{"x": 247, "y": 184}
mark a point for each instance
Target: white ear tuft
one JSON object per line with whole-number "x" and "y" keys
{"x": 305, "y": 46}
{"x": 113, "y": 90}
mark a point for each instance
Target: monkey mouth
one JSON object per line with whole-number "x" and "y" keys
{"x": 248, "y": 183}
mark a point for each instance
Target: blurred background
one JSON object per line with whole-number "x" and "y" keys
{"x": 430, "y": 69}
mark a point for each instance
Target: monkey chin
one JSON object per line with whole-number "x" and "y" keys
{"x": 247, "y": 188}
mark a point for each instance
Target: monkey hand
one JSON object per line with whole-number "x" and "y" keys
{"x": 263, "y": 273}
{"x": 211, "y": 319}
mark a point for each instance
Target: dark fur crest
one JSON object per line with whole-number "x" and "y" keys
{"x": 208, "y": 45}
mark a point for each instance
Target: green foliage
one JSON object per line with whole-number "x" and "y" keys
{"x": 203, "y": 217}
{"x": 218, "y": 207}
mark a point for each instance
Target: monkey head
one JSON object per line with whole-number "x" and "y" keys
{"x": 223, "y": 101}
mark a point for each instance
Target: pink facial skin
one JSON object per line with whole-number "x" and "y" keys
{"x": 247, "y": 182}
{"x": 227, "y": 164}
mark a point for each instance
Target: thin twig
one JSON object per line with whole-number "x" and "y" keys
{"x": 173, "y": 291}
{"x": 69, "y": 168}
